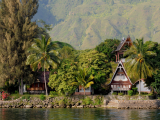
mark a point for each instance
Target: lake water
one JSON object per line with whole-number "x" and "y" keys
{"x": 78, "y": 114}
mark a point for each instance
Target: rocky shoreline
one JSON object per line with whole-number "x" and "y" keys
{"x": 108, "y": 101}
{"x": 58, "y": 102}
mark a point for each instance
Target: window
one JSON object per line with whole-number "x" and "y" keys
{"x": 87, "y": 88}
{"x": 111, "y": 86}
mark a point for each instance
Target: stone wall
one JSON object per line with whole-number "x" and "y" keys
{"x": 115, "y": 101}
{"x": 126, "y": 97}
{"x": 56, "y": 102}
{"x": 134, "y": 104}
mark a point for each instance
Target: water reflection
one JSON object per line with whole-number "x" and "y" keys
{"x": 78, "y": 114}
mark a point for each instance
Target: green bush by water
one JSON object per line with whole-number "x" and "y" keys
{"x": 98, "y": 100}
{"x": 130, "y": 92}
{"x": 135, "y": 90}
{"x": 26, "y": 97}
{"x": 42, "y": 97}
{"x": 53, "y": 93}
{"x": 120, "y": 94}
{"x": 114, "y": 93}
{"x": 87, "y": 101}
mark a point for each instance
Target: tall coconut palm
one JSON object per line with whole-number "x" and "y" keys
{"x": 43, "y": 54}
{"x": 83, "y": 79}
{"x": 138, "y": 63}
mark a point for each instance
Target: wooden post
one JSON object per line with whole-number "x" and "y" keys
{"x": 116, "y": 57}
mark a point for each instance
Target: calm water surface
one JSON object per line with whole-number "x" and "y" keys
{"x": 78, "y": 114}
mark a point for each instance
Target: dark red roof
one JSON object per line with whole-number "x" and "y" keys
{"x": 40, "y": 76}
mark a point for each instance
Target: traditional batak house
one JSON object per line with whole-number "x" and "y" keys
{"x": 38, "y": 86}
{"x": 125, "y": 43}
{"x": 120, "y": 81}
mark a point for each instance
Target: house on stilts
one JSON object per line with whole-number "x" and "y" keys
{"x": 120, "y": 81}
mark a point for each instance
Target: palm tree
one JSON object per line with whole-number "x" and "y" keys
{"x": 43, "y": 54}
{"x": 138, "y": 63}
{"x": 83, "y": 79}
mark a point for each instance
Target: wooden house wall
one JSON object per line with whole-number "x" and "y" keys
{"x": 119, "y": 84}
{"x": 35, "y": 86}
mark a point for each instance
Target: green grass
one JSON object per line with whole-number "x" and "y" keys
{"x": 26, "y": 96}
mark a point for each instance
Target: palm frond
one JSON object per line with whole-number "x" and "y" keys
{"x": 150, "y": 53}
{"x": 137, "y": 63}
{"x": 75, "y": 83}
{"x": 89, "y": 84}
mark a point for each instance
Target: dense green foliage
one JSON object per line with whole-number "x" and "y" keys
{"x": 120, "y": 94}
{"x": 114, "y": 93}
{"x": 17, "y": 34}
{"x": 97, "y": 65}
{"x": 156, "y": 83}
{"x": 67, "y": 53}
{"x": 83, "y": 79}
{"x": 42, "y": 97}
{"x": 107, "y": 47}
{"x": 43, "y": 54}
{"x": 85, "y": 23}
{"x": 130, "y": 92}
{"x": 134, "y": 90}
{"x": 154, "y": 60}
{"x": 138, "y": 63}
{"x": 63, "y": 78}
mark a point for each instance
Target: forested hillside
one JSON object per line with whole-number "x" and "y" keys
{"x": 86, "y": 23}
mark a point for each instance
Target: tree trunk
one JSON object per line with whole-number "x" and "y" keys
{"x": 45, "y": 81}
{"x": 21, "y": 86}
{"x": 84, "y": 91}
{"x": 139, "y": 87}
{"x": 140, "y": 78}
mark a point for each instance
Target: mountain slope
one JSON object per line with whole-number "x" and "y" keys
{"x": 86, "y": 23}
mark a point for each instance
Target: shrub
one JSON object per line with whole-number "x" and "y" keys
{"x": 134, "y": 90}
{"x": 114, "y": 93}
{"x": 5, "y": 96}
{"x": 98, "y": 100}
{"x": 88, "y": 101}
{"x": 27, "y": 86}
{"x": 23, "y": 97}
{"x": 62, "y": 102}
{"x": 16, "y": 91}
{"x": 53, "y": 93}
{"x": 68, "y": 101}
{"x": 144, "y": 93}
{"x": 28, "y": 97}
{"x": 120, "y": 94}
{"x": 130, "y": 92}
{"x": 42, "y": 97}
{"x": 150, "y": 94}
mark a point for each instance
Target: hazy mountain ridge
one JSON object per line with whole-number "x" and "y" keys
{"x": 86, "y": 23}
